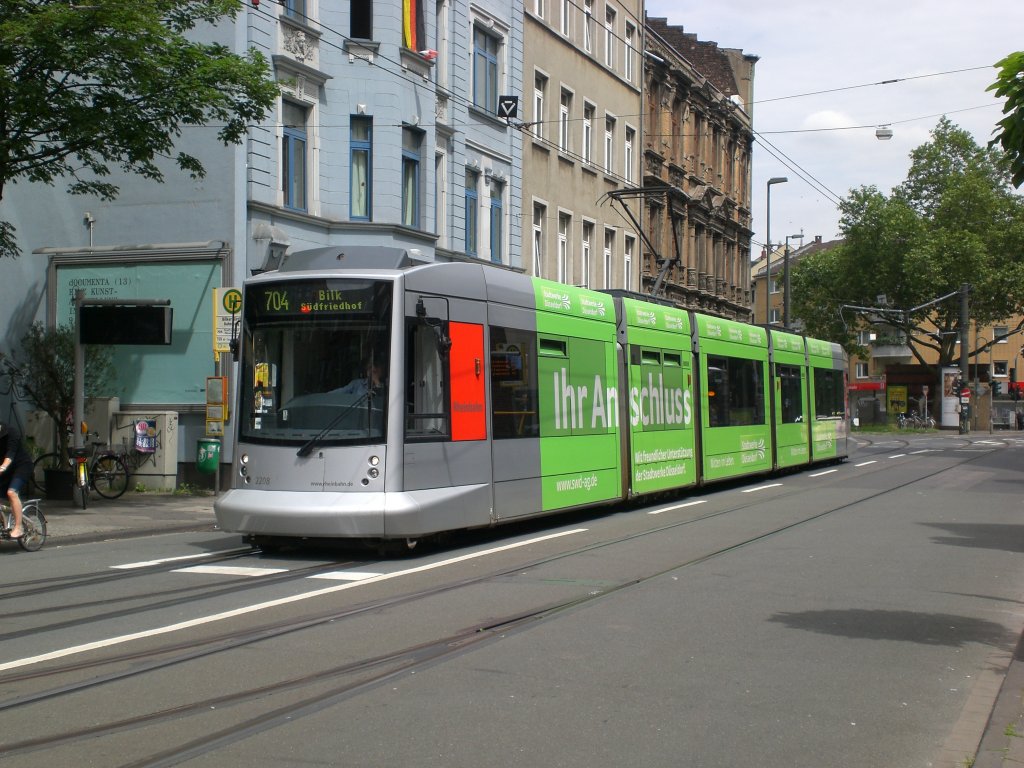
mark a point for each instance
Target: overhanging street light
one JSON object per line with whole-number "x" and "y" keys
{"x": 785, "y": 278}
{"x": 768, "y": 252}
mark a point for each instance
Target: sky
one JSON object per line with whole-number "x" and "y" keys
{"x": 933, "y": 48}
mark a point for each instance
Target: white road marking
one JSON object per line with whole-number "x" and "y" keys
{"x": 762, "y": 487}
{"x": 865, "y": 463}
{"x": 230, "y": 570}
{"x": 923, "y": 450}
{"x": 200, "y": 621}
{"x": 148, "y": 563}
{"x": 677, "y": 506}
{"x": 346, "y": 575}
{"x": 826, "y": 472}
{"x": 898, "y": 456}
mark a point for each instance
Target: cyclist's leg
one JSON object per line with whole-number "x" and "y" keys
{"x": 19, "y": 481}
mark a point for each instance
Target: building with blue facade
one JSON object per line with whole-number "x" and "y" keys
{"x": 386, "y": 133}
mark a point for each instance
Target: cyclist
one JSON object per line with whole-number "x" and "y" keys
{"x": 15, "y": 473}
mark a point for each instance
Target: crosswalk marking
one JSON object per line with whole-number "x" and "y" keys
{"x": 346, "y": 575}
{"x": 231, "y": 570}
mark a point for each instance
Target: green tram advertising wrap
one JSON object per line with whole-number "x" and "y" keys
{"x": 828, "y": 398}
{"x": 578, "y": 395}
{"x": 661, "y": 397}
{"x": 791, "y": 407}
{"x": 736, "y": 434}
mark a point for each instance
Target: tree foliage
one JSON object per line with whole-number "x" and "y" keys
{"x": 87, "y": 89}
{"x": 44, "y": 369}
{"x": 954, "y": 220}
{"x": 1009, "y": 84}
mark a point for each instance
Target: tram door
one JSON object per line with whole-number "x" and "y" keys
{"x": 446, "y": 409}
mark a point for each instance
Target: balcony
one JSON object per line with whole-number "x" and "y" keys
{"x": 891, "y": 348}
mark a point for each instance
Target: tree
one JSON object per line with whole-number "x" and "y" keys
{"x": 45, "y": 371}
{"x": 86, "y": 89}
{"x": 1010, "y": 130}
{"x": 954, "y": 220}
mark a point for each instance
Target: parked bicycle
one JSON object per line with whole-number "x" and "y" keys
{"x": 101, "y": 470}
{"x": 914, "y": 421}
{"x": 33, "y": 525}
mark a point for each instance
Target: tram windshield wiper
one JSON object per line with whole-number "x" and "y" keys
{"x": 314, "y": 441}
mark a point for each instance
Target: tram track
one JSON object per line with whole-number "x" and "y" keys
{"x": 314, "y": 692}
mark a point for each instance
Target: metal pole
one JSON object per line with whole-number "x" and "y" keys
{"x": 768, "y": 252}
{"x": 965, "y": 319}
{"x": 78, "y": 415}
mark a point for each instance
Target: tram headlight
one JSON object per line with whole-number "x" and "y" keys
{"x": 374, "y": 461}
{"x": 244, "y": 459}
{"x": 374, "y": 472}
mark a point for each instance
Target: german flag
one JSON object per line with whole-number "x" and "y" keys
{"x": 414, "y": 36}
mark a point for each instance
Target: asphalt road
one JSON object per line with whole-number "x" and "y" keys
{"x": 855, "y": 615}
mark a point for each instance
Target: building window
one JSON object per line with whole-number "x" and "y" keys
{"x": 628, "y": 65}
{"x": 627, "y": 262}
{"x": 865, "y": 337}
{"x": 586, "y": 244}
{"x": 609, "y": 144}
{"x": 567, "y": 6}
{"x": 497, "y": 223}
{"x": 411, "y": 142}
{"x": 472, "y": 206}
{"x": 361, "y": 19}
{"x": 775, "y": 285}
{"x": 862, "y": 371}
{"x": 540, "y": 87}
{"x": 609, "y": 37}
{"x": 1000, "y": 334}
{"x": 538, "y": 8}
{"x": 999, "y": 368}
{"x": 609, "y": 251}
{"x": 361, "y": 168}
{"x": 628, "y": 159}
{"x": 539, "y": 213}
{"x": 564, "y": 110}
{"x": 588, "y": 25}
{"x": 295, "y": 9}
{"x": 588, "y": 133}
{"x": 441, "y": 197}
{"x": 485, "y": 70}
{"x": 564, "y": 230}
{"x": 774, "y": 317}
{"x": 293, "y": 154}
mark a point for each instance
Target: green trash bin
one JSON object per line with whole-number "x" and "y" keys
{"x": 208, "y": 455}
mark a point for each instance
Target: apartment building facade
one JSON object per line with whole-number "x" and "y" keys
{"x": 697, "y": 171}
{"x": 581, "y": 140}
{"x": 386, "y": 133}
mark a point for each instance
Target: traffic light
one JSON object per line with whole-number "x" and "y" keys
{"x": 997, "y": 389}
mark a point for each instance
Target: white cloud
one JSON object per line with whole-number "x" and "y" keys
{"x": 806, "y": 46}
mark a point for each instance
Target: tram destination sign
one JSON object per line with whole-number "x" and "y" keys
{"x": 315, "y": 297}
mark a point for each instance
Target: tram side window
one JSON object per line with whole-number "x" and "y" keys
{"x": 513, "y": 383}
{"x": 427, "y": 416}
{"x": 829, "y": 400}
{"x": 735, "y": 392}
{"x": 791, "y": 394}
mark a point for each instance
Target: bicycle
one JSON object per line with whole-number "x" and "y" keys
{"x": 33, "y": 525}
{"x": 107, "y": 473}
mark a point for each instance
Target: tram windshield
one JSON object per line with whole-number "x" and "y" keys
{"x": 315, "y": 356}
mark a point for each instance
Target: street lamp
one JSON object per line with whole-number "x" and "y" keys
{"x": 785, "y": 278}
{"x": 768, "y": 237}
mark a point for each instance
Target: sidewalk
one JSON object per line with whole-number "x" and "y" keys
{"x": 132, "y": 515}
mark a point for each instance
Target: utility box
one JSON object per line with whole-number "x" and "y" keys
{"x": 150, "y": 440}
{"x": 41, "y": 432}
